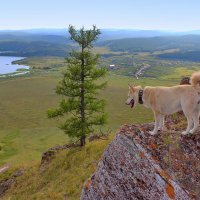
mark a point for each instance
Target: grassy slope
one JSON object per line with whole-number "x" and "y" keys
{"x": 25, "y": 130}
{"x": 64, "y": 176}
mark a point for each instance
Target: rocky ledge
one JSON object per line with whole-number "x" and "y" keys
{"x": 139, "y": 166}
{"x": 6, "y": 184}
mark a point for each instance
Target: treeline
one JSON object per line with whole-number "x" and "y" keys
{"x": 184, "y": 56}
{"x": 36, "y": 48}
{"x": 184, "y": 43}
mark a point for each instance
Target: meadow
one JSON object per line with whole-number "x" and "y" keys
{"x": 25, "y": 129}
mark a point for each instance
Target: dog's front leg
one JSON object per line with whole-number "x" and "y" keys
{"x": 161, "y": 126}
{"x": 189, "y": 121}
{"x": 157, "y": 122}
{"x": 196, "y": 121}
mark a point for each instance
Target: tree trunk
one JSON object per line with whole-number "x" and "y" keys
{"x": 82, "y": 141}
{"x": 82, "y": 100}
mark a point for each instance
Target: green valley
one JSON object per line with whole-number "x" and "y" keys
{"x": 26, "y": 132}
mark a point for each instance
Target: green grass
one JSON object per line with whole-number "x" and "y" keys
{"x": 64, "y": 176}
{"x": 25, "y": 129}
{"x": 173, "y": 72}
{"x": 22, "y": 146}
{"x": 42, "y": 62}
{"x": 105, "y": 50}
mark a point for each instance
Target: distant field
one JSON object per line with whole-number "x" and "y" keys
{"x": 105, "y": 50}
{"x": 43, "y": 63}
{"x": 193, "y": 56}
{"x": 172, "y": 70}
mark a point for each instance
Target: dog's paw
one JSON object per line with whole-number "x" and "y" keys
{"x": 152, "y": 132}
{"x": 192, "y": 131}
{"x": 184, "y": 133}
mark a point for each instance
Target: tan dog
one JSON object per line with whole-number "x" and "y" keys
{"x": 168, "y": 100}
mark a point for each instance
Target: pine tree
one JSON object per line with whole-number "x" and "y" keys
{"x": 79, "y": 88}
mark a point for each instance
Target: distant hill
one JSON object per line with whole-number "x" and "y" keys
{"x": 185, "y": 56}
{"x": 184, "y": 43}
{"x": 36, "y": 48}
{"x": 28, "y": 44}
{"x": 23, "y": 37}
{"x": 107, "y": 34}
{"x": 112, "y": 34}
{"x": 56, "y": 42}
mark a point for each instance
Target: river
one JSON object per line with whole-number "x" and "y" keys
{"x": 7, "y": 68}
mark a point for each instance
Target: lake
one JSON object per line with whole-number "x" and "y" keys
{"x": 6, "y": 66}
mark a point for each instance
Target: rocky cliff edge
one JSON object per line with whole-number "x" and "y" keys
{"x": 139, "y": 166}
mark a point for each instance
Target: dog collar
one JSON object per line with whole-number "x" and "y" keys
{"x": 140, "y": 101}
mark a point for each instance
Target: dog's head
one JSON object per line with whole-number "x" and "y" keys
{"x": 133, "y": 95}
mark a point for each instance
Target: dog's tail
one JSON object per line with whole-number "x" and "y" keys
{"x": 195, "y": 80}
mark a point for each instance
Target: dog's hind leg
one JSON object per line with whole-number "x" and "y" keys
{"x": 196, "y": 121}
{"x": 157, "y": 122}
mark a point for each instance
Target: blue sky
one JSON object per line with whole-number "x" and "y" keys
{"x": 178, "y": 15}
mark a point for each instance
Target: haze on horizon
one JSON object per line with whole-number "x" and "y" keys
{"x": 166, "y": 15}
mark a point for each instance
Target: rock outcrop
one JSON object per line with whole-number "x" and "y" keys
{"x": 6, "y": 184}
{"x": 139, "y": 166}
{"x": 50, "y": 154}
